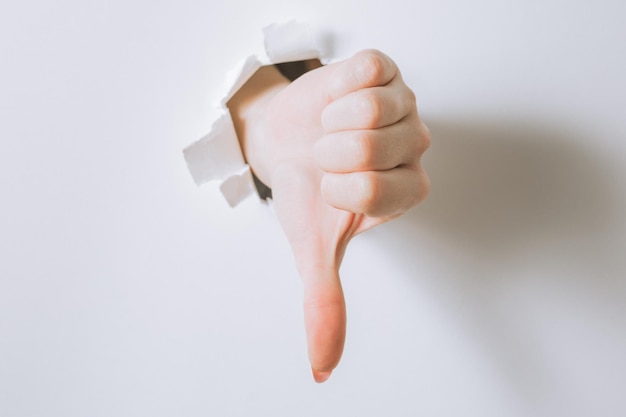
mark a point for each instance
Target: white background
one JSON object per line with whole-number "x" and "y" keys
{"x": 127, "y": 291}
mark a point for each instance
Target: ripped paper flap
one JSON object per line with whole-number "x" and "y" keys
{"x": 218, "y": 155}
{"x": 289, "y": 42}
{"x": 237, "y": 77}
{"x": 238, "y": 187}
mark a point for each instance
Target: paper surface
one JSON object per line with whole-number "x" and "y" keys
{"x": 217, "y": 156}
{"x": 290, "y": 42}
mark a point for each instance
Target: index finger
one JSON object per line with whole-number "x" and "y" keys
{"x": 367, "y": 68}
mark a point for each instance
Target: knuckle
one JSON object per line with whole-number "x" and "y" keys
{"x": 425, "y": 139}
{"x": 420, "y": 138}
{"x": 410, "y": 98}
{"x": 370, "y": 192}
{"x": 411, "y": 95}
{"x": 373, "y": 109}
{"x": 365, "y": 149}
{"x": 371, "y": 66}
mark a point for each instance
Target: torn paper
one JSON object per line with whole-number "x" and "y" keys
{"x": 217, "y": 156}
{"x": 290, "y": 42}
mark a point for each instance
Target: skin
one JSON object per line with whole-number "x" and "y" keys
{"x": 340, "y": 148}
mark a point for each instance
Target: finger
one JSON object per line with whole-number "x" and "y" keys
{"x": 325, "y": 321}
{"x": 318, "y": 235}
{"x": 369, "y": 108}
{"x": 376, "y": 193}
{"x": 372, "y": 149}
{"x": 367, "y": 68}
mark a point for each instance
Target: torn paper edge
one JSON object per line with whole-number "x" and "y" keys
{"x": 217, "y": 156}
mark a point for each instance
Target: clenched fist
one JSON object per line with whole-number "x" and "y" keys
{"x": 340, "y": 148}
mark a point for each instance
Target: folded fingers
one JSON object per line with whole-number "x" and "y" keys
{"x": 373, "y": 149}
{"x": 376, "y": 193}
{"x": 367, "y": 68}
{"x": 369, "y": 108}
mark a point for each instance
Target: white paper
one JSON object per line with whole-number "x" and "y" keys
{"x": 237, "y": 187}
{"x": 290, "y": 42}
{"x": 237, "y": 77}
{"x": 217, "y": 156}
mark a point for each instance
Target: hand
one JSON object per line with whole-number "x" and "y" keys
{"x": 340, "y": 148}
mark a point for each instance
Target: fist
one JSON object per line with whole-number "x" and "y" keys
{"x": 373, "y": 139}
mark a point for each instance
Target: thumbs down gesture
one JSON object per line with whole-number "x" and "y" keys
{"x": 340, "y": 148}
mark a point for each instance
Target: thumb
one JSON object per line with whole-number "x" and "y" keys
{"x": 325, "y": 319}
{"x": 318, "y": 235}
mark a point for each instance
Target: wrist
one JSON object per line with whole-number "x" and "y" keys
{"x": 248, "y": 109}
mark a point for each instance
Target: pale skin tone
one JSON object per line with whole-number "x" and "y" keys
{"x": 340, "y": 147}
